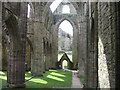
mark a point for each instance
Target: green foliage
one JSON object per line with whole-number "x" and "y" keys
{"x": 64, "y": 40}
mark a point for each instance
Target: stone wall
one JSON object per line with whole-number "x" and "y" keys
{"x": 106, "y": 45}
{"x": 96, "y": 40}
{"x": 0, "y": 41}
{"x": 100, "y": 45}
{"x": 59, "y": 9}
{"x": 117, "y": 6}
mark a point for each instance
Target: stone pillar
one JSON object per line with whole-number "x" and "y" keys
{"x": 92, "y": 65}
{"x": 82, "y": 47}
{"x": 0, "y": 41}
{"x": 37, "y": 60}
{"x": 82, "y": 43}
{"x": 43, "y": 63}
{"x": 16, "y": 61}
{"x": 54, "y": 49}
{"x": 75, "y": 48}
{"x": 47, "y": 58}
{"x": 51, "y": 61}
{"x": 46, "y": 62}
{"x": 117, "y": 44}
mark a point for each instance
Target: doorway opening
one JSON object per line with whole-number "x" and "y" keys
{"x": 64, "y": 64}
{"x": 65, "y": 39}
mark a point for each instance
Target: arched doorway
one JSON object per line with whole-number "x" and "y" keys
{"x": 64, "y": 64}
{"x": 65, "y": 39}
{"x": 74, "y": 44}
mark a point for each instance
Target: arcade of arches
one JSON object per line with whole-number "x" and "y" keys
{"x": 30, "y": 42}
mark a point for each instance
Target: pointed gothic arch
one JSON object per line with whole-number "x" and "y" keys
{"x": 65, "y": 57}
{"x": 75, "y": 36}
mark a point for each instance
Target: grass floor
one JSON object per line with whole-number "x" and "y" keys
{"x": 52, "y": 78}
{"x": 82, "y": 80}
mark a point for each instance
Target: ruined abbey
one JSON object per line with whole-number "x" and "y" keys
{"x": 31, "y": 43}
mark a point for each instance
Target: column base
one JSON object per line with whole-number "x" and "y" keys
{"x": 53, "y": 68}
{"x": 44, "y": 72}
{"x": 16, "y": 86}
{"x": 47, "y": 69}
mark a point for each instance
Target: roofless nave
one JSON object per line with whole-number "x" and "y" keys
{"x": 31, "y": 41}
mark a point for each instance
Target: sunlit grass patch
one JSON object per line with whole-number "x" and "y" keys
{"x": 3, "y": 78}
{"x": 36, "y": 80}
{"x": 57, "y": 74}
{"x": 55, "y": 78}
{"x": 52, "y": 78}
{"x": 2, "y": 73}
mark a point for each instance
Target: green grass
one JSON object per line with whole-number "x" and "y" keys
{"x": 3, "y": 78}
{"x": 82, "y": 80}
{"x": 52, "y": 78}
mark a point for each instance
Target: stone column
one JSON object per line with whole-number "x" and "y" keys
{"x": 46, "y": 62}
{"x": 83, "y": 43}
{"x": 1, "y": 35}
{"x": 75, "y": 48}
{"x": 43, "y": 63}
{"x": 55, "y": 47}
{"x": 82, "y": 47}
{"x": 0, "y": 41}
{"x": 36, "y": 63}
{"x": 47, "y": 58}
{"x": 51, "y": 60}
{"x": 16, "y": 60}
{"x": 117, "y": 44}
{"x": 52, "y": 50}
{"x": 37, "y": 60}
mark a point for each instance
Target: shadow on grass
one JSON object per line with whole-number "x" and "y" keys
{"x": 52, "y": 78}
{"x": 4, "y": 83}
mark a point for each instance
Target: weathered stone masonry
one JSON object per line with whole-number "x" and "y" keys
{"x": 17, "y": 33}
{"x": 33, "y": 42}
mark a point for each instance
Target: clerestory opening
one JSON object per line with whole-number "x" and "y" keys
{"x": 66, "y": 9}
